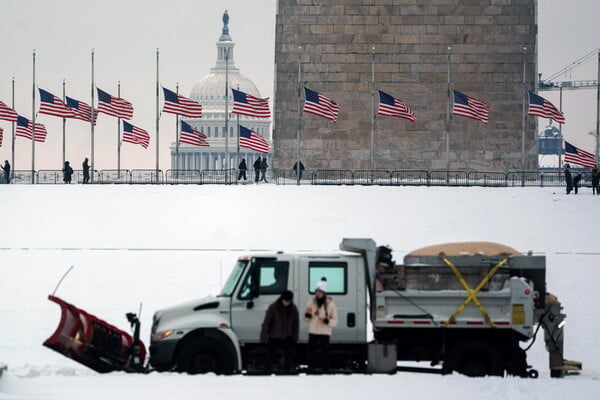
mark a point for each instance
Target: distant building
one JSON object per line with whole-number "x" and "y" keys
{"x": 210, "y": 92}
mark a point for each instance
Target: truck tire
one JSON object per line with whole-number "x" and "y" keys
{"x": 475, "y": 359}
{"x": 200, "y": 355}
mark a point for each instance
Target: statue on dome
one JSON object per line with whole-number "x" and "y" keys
{"x": 225, "y": 23}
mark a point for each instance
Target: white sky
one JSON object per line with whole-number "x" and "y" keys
{"x": 126, "y": 34}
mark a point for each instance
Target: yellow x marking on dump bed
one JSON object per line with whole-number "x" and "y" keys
{"x": 472, "y": 293}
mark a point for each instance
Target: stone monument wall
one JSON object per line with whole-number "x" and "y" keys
{"x": 336, "y": 42}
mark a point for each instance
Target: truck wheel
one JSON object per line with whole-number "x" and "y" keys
{"x": 475, "y": 359}
{"x": 202, "y": 355}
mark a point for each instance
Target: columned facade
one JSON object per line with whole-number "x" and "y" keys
{"x": 210, "y": 92}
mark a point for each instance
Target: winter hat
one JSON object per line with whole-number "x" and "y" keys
{"x": 287, "y": 295}
{"x": 321, "y": 286}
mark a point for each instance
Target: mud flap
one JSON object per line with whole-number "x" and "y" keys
{"x": 93, "y": 342}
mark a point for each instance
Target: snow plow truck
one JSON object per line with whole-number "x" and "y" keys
{"x": 473, "y": 308}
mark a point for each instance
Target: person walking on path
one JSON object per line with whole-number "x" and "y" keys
{"x": 321, "y": 316}
{"x": 568, "y": 179}
{"x": 263, "y": 170}
{"x": 243, "y": 168}
{"x": 595, "y": 180}
{"x": 576, "y": 181}
{"x": 6, "y": 168}
{"x": 86, "y": 171}
{"x": 298, "y": 171}
{"x": 256, "y": 166}
{"x": 67, "y": 173}
{"x": 280, "y": 332}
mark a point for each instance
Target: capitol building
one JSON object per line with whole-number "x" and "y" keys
{"x": 210, "y": 92}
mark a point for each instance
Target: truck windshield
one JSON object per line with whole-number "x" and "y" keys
{"x": 237, "y": 271}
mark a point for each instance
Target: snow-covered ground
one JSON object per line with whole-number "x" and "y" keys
{"x": 161, "y": 245}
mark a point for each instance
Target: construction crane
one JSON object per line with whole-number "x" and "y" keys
{"x": 550, "y": 84}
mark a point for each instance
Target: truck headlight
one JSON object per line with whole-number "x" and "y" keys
{"x": 161, "y": 335}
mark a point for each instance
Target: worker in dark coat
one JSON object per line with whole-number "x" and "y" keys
{"x": 263, "y": 170}
{"x": 6, "y": 168}
{"x": 568, "y": 179}
{"x": 243, "y": 168}
{"x": 86, "y": 171}
{"x": 576, "y": 181}
{"x": 67, "y": 173}
{"x": 298, "y": 171}
{"x": 280, "y": 332}
{"x": 256, "y": 166}
{"x": 596, "y": 180}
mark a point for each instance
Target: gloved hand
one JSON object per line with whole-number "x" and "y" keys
{"x": 308, "y": 315}
{"x": 326, "y": 321}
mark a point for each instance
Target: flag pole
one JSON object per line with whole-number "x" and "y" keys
{"x": 157, "y": 119}
{"x": 119, "y": 135}
{"x": 33, "y": 124}
{"x": 92, "y": 122}
{"x": 237, "y": 158}
{"x": 12, "y": 159}
{"x": 64, "y": 126}
{"x": 372, "y": 105}
{"x": 177, "y": 133}
{"x": 598, "y": 113}
{"x": 226, "y": 108}
{"x": 448, "y": 115}
{"x": 299, "y": 127}
{"x": 525, "y": 94}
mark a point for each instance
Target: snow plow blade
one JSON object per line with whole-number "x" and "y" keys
{"x": 95, "y": 343}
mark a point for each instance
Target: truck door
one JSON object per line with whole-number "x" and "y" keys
{"x": 345, "y": 284}
{"x": 265, "y": 280}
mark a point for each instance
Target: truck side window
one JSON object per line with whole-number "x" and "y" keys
{"x": 273, "y": 279}
{"x": 335, "y": 272}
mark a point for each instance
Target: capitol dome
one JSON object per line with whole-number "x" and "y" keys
{"x": 210, "y": 90}
{"x": 218, "y": 123}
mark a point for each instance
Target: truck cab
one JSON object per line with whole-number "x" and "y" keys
{"x": 222, "y": 333}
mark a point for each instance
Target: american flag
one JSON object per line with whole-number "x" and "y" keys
{"x": 177, "y": 104}
{"x": 1, "y": 135}
{"x": 470, "y": 107}
{"x": 252, "y": 140}
{"x": 7, "y": 113}
{"x": 246, "y": 104}
{"x": 24, "y": 129}
{"x": 81, "y": 110}
{"x": 52, "y": 105}
{"x": 543, "y": 108}
{"x": 577, "y": 156}
{"x": 320, "y": 105}
{"x": 191, "y": 136}
{"x": 115, "y": 106}
{"x": 135, "y": 135}
{"x": 393, "y": 107}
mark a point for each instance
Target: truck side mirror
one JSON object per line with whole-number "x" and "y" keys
{"x": 254, "y": 281}
{"x": 250, "y": 305}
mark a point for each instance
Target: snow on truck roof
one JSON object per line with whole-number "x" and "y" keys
{"x": 465, "y": 249}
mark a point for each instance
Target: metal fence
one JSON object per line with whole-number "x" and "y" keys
{"x": 183, "y": 176}
{"x": 309, "y": 177}
{"x": 54, "y": 176}
{"x": 332, "y": 177}
{"x": 115, "y": 176}
{"x": 409, "y": 178}
{"x": 289, "y": 177}
{"x": 218, "y": 176}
